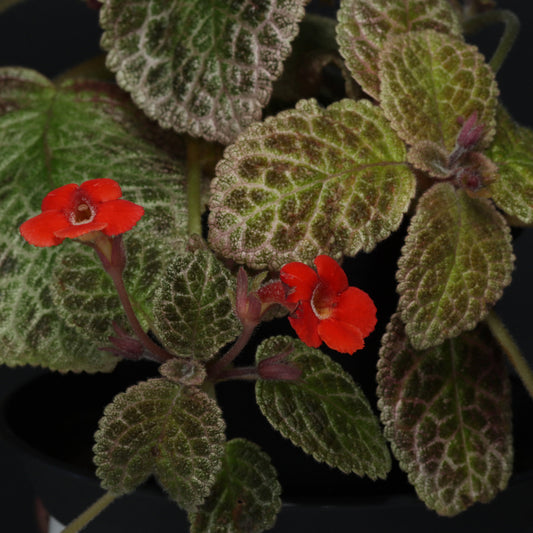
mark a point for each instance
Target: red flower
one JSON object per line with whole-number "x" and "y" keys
{"x": 72, "y": 210}
{"x": 328, "y": 309}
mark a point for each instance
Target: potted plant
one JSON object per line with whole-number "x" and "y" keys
{"x": 205, "y": 203}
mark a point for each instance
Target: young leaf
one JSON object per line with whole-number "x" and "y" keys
{"x": 194, "y": 313}
{"x": 245, "y": 496}
{"x": 325, "y": 412}
{"x": 364, "y": 25}
{"x": 199, "y": 66}
{"x": 160, "y": 427}
{"x": 429, "y": 81}
{"x": 512, "y": 151}
{"x": 310, "y": 181}
{"x": 447, "y": 414}
{"x": 51, "y": 136}
{"x": 455, "y": 263}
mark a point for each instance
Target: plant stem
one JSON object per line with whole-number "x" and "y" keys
{"x": 510, "y": 33}
{"x": 89, "y": 514}
{"x": 248, "y": 373}
{"x": 159, "y": 353}
{"x": 194, "y": 187}
{"x": 512, "y": 351}
{"x": 216, "y": 369}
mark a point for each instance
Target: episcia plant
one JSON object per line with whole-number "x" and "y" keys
{"x": 121, "y": 263}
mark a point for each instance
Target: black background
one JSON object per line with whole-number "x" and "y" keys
{"x": 52, "y": 35}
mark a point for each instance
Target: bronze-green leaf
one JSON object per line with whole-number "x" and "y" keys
{"x": 245, "y": 497}
{"x": 160, "y": 427}
{"x": 55, "y": 299}
{"x": 325, "y": 413}
{"x": 310, "y": 181}
{"x": 512, "y": 151}
{"x": 431, "y": 80}
{"x": 455, "y": 263}
{"x": 200, "y": 66}
{"x": 194, "y": 314}
{"x": 365, "y": 25}
{"x": 447, "y": 414}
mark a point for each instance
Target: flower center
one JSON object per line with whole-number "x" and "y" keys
{"x": 322, "y": 302}
{"x": 82, "y": 214}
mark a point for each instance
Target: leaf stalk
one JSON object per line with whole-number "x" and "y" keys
{"x": 507, "y": 40}
{"x": 90, "y": 513}
{"x": 512, "y": 351}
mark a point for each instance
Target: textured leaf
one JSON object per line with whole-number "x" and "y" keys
{"x": 429, "y": 80}
{"x": 245, "y": 497}
{"x": 447, "y": 414}
{"x": 194, "y": 310}
{"x": 49, "y": 137}
{"x": 200, "y": 66}
{"x": 512, "y": 151}
{"x": 455, "y": 263}
{"x": 310, "y": 181}
{"x": 325, "y": 413}
{"x": 365, "y": 25}
{"x": 159, "y": 427}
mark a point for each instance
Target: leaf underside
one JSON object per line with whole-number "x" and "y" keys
{"x": 159, "y": 427}
{"x": 455, "y": 263}
{"x": 325, "y": 413}
{"x": 245, "y": 496}
{"x": 200, "y": 66}
{"x": 364, "y": 26}
{"x": 447, "y": 414}
{"x": 310, "y": 181}
{"x": 55, "y": 299}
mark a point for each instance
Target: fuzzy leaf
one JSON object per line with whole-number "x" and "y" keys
{"x": 429, "y": 80}
{"x": 245, "y": 497}
{"x": 51, "y": 136}
{"x": 512, "y": 151}
{"x": 159, "y": 427}
{"x": 310, "y": 181}
{"x": 365, "y": 25}
{"x": 447, "y": 414}
{"x": 197, "y": 66}
{"x": 455, "y": 263}
{"x": 325, "y": 413}
{"x": 194, "y": 309}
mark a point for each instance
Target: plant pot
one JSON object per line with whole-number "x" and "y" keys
{"x": 56, "y": 452}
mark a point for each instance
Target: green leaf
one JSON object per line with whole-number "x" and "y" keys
{"x": 199, "y": 66}
{"x": 194, "y": 312}
{"x": 429, "y": 80}
{"x": 159, "y": 427}
{"x": 455, "y": 263}
{"x": 447, "y": 414}
{"x": 365, "y": 25}
{"x": 51, "y": 136}
{"x": 325, "y": 413}
{"x": 310, "y": 181}
{"x": 512, "y": 151}
{"x": 245, "y": 497}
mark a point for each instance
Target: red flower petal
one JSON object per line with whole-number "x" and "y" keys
{"x": 354, "y": 306}
{"x": 302, "y": 278}
{"x": 76, "y": 230}
{"x": 118, "y": 215}
{"x": 102, "y": 190}
{"x": 340, "y": 336}
{"x": 331, "y": 274}
{"x": 60, "y": 198}
{"x": 305, "y": 323}
{"x": 40, "y": 230}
